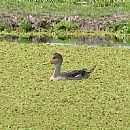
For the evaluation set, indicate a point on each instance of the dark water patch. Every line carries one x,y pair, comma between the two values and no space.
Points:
25,39
89,40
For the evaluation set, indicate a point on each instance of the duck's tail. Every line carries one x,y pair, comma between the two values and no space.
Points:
92,69
88,72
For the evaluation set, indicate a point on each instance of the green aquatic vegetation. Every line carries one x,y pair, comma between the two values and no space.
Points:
50,32
30,101
128,27
25,25
66,26
58,33
64,39
115,38
125,39
121,27
66,36
24,40
62,33
116,26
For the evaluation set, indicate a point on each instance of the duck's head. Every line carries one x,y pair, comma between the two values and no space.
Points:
55,59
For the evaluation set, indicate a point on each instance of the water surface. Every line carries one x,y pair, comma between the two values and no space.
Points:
88,41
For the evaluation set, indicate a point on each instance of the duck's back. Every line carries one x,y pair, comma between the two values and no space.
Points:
75,74
78,74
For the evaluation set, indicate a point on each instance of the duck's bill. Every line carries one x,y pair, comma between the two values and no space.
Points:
49,62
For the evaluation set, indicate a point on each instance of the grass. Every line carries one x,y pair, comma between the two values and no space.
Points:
63,9
29,101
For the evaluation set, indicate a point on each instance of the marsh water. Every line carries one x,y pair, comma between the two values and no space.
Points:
88,41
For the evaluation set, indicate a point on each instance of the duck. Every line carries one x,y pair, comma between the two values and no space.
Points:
57,60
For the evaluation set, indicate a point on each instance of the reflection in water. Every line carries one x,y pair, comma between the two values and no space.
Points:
90,40
30,39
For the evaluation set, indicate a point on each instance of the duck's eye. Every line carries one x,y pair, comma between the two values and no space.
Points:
54,57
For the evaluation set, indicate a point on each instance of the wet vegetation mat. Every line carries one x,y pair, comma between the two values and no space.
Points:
29,101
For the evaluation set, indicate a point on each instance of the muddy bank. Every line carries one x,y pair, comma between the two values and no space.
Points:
39,21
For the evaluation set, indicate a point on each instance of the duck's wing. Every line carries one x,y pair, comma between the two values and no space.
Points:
74,75
78,74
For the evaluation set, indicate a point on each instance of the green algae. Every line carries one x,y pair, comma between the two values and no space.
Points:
30,101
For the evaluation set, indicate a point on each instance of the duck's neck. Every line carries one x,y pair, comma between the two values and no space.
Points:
56,72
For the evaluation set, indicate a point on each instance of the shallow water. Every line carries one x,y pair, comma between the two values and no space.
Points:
88,41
